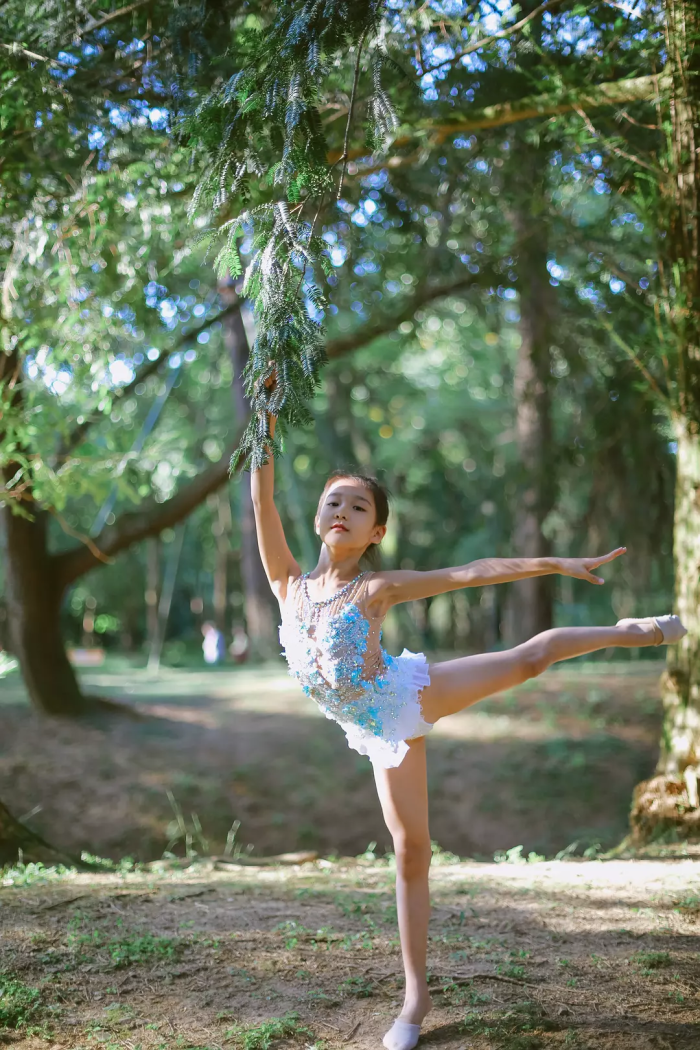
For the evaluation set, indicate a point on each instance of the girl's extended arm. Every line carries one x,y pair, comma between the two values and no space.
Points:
278,561
405,586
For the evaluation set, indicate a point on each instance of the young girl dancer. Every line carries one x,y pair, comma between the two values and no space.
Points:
331,632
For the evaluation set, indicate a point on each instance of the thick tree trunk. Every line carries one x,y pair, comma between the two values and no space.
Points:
259,602
681,681
17,841
529,608
668,804
33,602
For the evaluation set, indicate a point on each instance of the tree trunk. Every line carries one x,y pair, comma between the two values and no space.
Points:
681,681
166,598
259,601
152,589
33,603
530,601
668,804
17,841
221,528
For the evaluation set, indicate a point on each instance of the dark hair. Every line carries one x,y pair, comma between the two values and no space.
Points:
380,494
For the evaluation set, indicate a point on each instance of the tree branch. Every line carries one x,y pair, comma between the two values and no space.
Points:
99,22
17,49
151,518
661,394
612,93
374,329
476,45
78,433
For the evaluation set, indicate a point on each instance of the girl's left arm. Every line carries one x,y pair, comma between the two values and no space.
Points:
392,587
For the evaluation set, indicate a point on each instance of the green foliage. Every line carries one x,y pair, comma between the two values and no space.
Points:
265,121
21,874
124,950
19,1004
513,1028
359,987
266,1034
142,948
514,855
650,961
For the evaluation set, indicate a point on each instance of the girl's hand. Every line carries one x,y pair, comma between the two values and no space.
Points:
271,381
270,385
580,568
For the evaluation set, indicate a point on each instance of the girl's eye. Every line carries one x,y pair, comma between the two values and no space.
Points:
360,508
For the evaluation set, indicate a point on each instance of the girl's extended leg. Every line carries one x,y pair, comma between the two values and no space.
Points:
456,684
403,793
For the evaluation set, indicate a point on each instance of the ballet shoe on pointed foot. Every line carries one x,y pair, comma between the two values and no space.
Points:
667,629
401,1036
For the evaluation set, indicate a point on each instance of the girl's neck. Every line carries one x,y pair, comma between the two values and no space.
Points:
333,572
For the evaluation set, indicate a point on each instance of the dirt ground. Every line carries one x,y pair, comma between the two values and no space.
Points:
576,954
545,766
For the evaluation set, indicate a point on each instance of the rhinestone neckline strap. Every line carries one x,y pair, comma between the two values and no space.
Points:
333,597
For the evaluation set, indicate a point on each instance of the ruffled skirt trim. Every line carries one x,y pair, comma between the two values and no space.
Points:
389,750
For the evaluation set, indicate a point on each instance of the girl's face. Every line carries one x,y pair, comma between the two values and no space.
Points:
347,518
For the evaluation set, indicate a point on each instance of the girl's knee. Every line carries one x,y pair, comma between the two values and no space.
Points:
412,855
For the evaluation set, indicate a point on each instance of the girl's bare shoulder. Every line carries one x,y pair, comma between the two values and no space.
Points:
379,590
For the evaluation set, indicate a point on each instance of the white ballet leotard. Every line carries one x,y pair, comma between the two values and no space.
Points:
333,648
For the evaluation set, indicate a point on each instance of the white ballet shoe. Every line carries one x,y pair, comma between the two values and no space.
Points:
401,1036
669,627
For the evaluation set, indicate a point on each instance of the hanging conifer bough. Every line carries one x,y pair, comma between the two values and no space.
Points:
266,148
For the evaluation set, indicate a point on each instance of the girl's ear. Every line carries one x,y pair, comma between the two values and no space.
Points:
379,533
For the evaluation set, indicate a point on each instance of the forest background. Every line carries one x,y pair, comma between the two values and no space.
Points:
490,209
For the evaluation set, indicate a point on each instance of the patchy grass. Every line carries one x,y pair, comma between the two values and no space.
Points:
19,1004
518,1027
582,955
263,1036
650,961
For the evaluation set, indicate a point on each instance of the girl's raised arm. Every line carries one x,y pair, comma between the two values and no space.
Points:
278,561
406,586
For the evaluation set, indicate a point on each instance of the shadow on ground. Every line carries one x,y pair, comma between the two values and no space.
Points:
548,764
597,955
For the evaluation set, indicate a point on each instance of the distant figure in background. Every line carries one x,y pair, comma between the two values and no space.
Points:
213,646
240,645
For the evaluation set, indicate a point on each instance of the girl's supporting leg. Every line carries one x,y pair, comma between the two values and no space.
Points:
456,684
403,793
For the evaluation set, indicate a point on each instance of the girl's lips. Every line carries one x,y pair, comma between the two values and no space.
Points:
338,528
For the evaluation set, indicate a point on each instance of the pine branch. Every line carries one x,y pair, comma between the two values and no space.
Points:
265,121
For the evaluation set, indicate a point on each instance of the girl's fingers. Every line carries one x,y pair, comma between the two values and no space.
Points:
595,562
613,554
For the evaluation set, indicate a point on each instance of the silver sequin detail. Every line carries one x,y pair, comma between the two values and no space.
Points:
325,644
